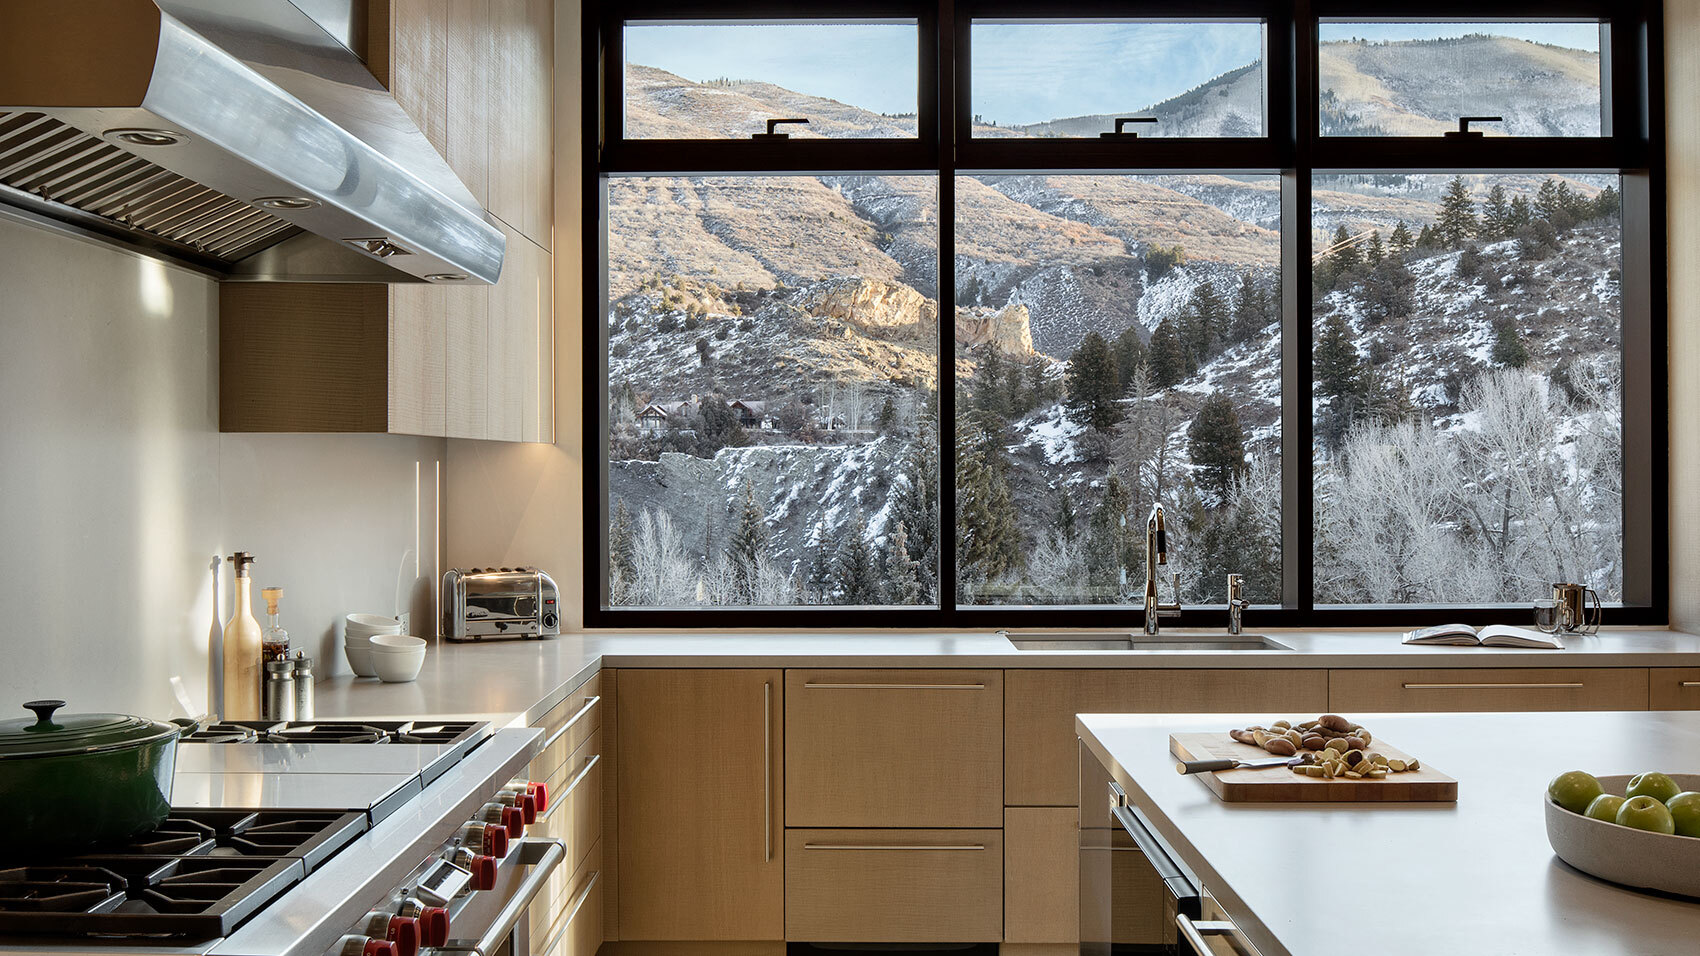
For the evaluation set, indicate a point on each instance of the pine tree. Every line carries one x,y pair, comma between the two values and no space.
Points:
1017,399
854,574
1336,365
988,539
1202,323
1387,291
1093,389
1039,380
886,424
819,576
1216,444
1107,542
1345,256
1130,354
1167,360
1400,242
1067,520
1496,215
902,574
748,545
1548,203
1521,214
621,542
989,397
1248,311
1373,252
1508,348
1606,204
1457,219
917,507
1426,239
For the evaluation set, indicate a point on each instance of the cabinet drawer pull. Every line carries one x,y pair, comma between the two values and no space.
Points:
572,911
1493,686
589,702
814,686
1690,683
1195,931
578,778
894,846
766,772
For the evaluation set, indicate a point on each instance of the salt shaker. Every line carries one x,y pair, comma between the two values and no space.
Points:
277,691
303,686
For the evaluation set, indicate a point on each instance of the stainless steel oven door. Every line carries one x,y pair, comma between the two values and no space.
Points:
1131,892
493,922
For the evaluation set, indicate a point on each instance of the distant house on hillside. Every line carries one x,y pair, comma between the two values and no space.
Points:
658,417
751,413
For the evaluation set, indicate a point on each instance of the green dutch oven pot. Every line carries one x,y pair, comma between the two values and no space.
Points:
76,779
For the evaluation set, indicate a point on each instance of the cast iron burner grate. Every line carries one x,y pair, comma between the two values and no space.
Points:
328,732
197,876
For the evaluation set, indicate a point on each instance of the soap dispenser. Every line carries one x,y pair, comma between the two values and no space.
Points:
242,648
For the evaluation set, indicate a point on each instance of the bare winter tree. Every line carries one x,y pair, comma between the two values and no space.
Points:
665,576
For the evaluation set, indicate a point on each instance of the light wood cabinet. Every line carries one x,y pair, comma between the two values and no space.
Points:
893,886
1462,689
413,358
574,816
700,804
1673,688
1041,875
567,725
1040,766
577,929
894,748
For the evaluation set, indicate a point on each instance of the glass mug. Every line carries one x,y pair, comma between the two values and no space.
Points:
1572,603
1546,616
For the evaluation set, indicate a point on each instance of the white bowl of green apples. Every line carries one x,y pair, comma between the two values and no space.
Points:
1642,831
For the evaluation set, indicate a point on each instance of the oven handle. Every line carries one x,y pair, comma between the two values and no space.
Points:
1187,898
543,856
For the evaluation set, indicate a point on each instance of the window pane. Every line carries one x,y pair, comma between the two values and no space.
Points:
772,391
725,81
1118,344
1074,78
1467,388
1417,79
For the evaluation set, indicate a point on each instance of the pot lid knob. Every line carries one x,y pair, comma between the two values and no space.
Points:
44,713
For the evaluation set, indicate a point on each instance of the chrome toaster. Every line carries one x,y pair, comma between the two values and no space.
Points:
497,604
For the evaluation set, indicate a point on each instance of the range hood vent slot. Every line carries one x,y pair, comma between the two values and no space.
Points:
59,164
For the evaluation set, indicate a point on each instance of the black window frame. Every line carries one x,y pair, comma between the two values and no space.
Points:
1631,146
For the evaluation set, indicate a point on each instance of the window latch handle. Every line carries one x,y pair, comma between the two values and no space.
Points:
1465,132
773,123
1122,121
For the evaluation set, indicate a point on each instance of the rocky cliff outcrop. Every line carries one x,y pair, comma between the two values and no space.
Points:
1008,330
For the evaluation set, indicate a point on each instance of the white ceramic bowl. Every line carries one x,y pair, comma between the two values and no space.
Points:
370,624
397,643
398,665
1634,858
360,659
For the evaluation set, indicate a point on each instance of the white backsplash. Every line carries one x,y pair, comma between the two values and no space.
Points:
117,490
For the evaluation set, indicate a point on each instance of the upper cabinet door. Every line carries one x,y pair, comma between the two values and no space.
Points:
520,113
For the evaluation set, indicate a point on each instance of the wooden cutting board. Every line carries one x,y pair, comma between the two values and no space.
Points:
1282,785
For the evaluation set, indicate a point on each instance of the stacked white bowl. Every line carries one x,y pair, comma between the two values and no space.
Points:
357,633
397,658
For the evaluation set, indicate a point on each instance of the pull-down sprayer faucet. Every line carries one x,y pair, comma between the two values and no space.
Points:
1157,553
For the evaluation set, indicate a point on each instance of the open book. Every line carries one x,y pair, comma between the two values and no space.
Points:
1494,635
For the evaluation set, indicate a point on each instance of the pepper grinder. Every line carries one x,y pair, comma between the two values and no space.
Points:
303,686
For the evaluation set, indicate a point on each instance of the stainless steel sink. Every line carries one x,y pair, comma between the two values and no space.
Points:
1174,641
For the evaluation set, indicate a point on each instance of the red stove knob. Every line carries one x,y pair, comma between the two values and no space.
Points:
483,872
404,933
540,793
496,842
434,926
528,806
514,819
378,947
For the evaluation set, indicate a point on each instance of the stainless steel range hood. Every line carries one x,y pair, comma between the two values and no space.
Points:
241,137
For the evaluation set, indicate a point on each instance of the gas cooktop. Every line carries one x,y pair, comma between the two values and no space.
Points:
333,732
195,877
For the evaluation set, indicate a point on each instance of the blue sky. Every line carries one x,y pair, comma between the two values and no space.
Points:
1022,72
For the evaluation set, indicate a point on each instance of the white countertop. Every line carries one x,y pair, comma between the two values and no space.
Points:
1419,879
521,680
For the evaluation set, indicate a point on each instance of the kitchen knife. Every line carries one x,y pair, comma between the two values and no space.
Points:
1228,763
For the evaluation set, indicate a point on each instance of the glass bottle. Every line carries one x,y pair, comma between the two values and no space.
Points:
274,641
242,649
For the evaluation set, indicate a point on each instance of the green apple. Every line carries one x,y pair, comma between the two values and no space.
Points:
1574,790
1645,813
1685,811
1653,784
1605,807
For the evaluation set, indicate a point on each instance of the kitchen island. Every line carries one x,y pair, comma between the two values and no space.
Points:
1477,876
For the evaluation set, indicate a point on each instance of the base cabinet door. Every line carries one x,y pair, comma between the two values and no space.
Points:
894,886
700,805
577,928
1673,688
1041,875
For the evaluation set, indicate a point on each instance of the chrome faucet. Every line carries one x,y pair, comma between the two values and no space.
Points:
1236,604
1157,553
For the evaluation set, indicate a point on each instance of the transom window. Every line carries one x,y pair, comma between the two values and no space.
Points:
914,314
